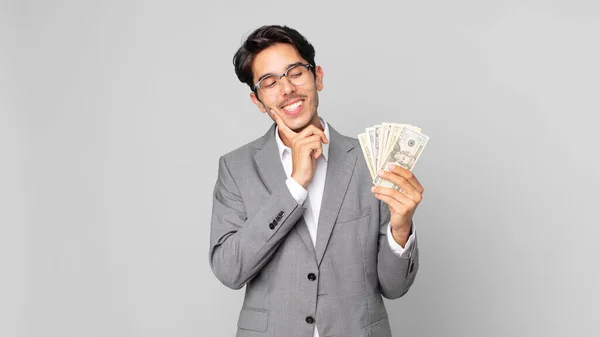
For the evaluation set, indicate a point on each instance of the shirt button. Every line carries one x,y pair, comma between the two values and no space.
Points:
312,277
310,320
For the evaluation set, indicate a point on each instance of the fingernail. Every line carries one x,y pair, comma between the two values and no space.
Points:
391,166
373,189
380,172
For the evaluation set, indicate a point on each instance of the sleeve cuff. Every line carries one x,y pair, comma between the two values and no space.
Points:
298,192
405,251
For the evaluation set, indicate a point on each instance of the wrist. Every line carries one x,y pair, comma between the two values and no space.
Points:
402,226
302,182
400,235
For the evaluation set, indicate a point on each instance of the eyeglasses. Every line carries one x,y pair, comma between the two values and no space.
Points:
297,74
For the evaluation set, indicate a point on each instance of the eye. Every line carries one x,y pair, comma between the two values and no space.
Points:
295,72
268,82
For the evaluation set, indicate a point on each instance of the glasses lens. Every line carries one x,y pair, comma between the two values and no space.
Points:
270,85
298,74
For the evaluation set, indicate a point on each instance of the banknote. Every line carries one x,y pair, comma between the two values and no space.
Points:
365,145
371,135
390,133
405,152
394,132
383,135
375,145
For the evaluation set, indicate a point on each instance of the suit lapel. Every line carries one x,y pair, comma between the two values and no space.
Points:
340,166
269,163
302,230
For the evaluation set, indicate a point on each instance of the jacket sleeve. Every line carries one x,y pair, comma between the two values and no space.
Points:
241,243
396,274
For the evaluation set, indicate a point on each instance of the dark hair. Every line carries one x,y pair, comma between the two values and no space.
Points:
261,39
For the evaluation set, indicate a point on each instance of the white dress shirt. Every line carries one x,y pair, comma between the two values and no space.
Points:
314,194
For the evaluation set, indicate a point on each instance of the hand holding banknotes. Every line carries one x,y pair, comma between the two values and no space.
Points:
306,148
391,151
402,202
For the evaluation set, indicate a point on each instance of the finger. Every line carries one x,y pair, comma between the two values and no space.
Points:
402,183
313,130
285,130
316,148
408,175
401,197
310,145
396,206
317,153
303,141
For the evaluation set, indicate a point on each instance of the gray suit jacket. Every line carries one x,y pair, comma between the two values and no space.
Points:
259,239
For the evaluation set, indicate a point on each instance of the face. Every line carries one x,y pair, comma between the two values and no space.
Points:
296,105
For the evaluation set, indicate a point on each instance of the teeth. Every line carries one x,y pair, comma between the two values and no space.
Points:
293,106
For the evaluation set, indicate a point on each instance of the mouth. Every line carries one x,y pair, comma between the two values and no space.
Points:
293,107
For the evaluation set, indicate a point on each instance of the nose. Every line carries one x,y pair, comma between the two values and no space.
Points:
286,86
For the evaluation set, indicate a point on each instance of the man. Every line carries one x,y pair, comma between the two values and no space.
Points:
296,218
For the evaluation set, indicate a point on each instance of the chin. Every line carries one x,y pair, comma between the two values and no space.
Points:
300,124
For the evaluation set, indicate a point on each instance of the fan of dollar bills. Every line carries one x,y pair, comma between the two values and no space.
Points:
399,144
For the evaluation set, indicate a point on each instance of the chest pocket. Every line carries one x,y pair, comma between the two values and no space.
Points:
353,214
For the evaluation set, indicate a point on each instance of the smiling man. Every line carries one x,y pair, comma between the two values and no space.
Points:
295,216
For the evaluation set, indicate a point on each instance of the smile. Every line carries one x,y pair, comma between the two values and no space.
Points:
293,106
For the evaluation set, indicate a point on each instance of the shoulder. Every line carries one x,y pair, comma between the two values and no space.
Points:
247,151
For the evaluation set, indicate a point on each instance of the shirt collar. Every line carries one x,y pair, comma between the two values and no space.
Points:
282,148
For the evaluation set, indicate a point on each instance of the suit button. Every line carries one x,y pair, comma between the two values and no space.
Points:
310,320
312,276
272,225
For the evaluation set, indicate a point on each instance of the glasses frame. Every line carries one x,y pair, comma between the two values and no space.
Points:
257,84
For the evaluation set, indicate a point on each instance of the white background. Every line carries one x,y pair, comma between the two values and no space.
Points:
114,114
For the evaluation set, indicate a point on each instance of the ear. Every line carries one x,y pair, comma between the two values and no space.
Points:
258,103
319,77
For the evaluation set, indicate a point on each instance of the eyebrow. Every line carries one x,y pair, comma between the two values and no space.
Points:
286,68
